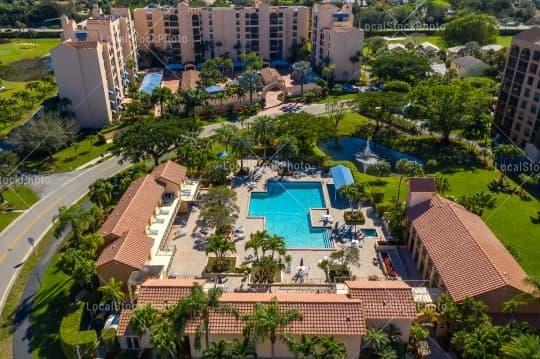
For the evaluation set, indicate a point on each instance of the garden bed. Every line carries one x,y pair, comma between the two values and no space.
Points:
228,266
257,272
354,217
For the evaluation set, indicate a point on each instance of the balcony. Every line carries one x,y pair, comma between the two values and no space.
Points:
189,190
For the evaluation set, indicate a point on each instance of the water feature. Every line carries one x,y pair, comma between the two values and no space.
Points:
356,149
367,157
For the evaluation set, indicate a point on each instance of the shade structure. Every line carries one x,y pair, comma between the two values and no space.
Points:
342,176
150,82
214,89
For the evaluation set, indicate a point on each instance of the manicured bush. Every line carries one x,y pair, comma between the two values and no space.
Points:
71,336
377,197
382,208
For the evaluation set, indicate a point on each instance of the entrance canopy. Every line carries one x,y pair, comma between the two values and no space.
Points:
342,176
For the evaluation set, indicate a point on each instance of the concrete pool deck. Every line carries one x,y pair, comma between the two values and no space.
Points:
190,258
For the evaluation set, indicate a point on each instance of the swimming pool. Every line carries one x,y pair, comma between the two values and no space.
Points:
150,81
285,207
370,232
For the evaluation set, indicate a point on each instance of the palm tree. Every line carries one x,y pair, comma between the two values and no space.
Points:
219,246
164,339
241,145
409,169
161,95
143,318
300,70
191,99
523,346
275,244
112,291
287,146
350,193
418,333
250,81
377,339
269,321
333,349
198,305
225,134
304,347
217,350
101,193
264,129
76,217
256,241
242,349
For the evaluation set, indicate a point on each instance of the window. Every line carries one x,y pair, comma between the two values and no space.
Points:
536,55
517,127
536,96
526,92
533,68
523,104
132,342
534,109
530,80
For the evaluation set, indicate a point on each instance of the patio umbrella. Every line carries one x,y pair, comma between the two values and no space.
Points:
302,262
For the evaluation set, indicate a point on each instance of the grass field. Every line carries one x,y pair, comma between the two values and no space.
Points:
510,220
23,49
6,218
20,197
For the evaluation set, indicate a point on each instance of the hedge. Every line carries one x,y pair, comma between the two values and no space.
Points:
71,335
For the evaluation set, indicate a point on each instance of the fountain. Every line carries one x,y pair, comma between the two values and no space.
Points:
367,157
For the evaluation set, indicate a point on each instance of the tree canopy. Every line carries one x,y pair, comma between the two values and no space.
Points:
481,28
407,66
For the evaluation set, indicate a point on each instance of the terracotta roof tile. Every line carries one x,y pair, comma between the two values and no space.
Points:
160,292
132,249
384,299
467,255
424,184
322,313
123,322
135,208
170,171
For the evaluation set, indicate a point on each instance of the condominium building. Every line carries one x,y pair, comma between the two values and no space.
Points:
195,34
518,108
92,64
335,40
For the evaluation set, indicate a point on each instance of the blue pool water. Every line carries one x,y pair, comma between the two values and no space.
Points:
348,146
286,208
150,82
369,232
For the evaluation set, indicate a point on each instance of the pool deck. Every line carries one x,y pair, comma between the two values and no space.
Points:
190,258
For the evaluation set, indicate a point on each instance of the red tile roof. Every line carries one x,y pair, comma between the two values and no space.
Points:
160,292
322,313
389,299
123,322
467,255
132,249
170,171
424,184
136,207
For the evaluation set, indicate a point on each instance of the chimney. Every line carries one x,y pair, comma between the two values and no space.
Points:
420,190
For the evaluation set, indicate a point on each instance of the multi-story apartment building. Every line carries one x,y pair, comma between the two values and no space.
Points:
92,64
335,40
195,34
518,107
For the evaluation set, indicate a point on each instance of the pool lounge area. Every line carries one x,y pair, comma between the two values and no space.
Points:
286,209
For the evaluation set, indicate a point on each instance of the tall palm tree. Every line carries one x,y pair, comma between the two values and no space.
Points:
143,318
161,95
332,348
350,193
275,244
219,246
269,321
112,291
300,70
225,134
218,350
304,347
407,168
198,305
101,193
250,81
241,145
190,99
256,241
242,349
164,339
523,346
264,129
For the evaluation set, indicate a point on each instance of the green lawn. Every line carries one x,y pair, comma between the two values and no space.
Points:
436,40
20,197
510,220
23,49
11,88
6,218
73,156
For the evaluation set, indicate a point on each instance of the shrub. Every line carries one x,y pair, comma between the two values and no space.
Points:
431,165
355,216
71,335
377,197
382,208
109,339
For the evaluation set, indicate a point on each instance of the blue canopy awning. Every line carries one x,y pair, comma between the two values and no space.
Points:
175,67
214,89
279,62
342,176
